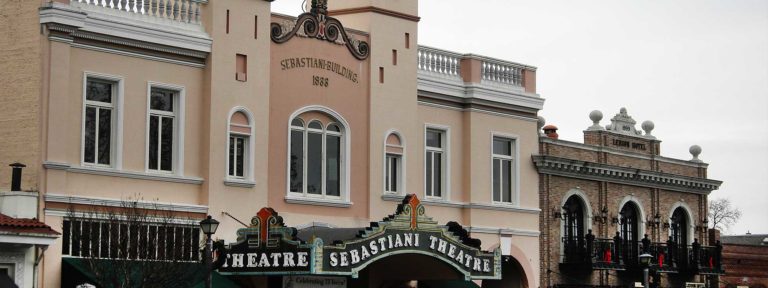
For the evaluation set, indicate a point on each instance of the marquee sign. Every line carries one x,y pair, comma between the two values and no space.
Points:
270,248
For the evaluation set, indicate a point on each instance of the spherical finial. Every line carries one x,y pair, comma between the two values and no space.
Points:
595,116
695,151
648,127
540,124
623,110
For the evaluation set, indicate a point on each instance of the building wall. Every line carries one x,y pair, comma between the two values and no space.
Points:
745,265
21,79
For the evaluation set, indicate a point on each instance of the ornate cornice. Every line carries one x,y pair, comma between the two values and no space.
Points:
636,177
317,24
378,10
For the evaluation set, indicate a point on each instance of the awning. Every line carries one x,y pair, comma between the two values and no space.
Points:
75,271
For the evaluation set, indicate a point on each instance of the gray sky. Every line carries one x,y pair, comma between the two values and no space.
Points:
697,69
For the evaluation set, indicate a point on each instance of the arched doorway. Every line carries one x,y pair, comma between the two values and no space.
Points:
678,234
629,229
406,270
573,230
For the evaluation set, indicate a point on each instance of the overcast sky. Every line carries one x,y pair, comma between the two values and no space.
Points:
697,69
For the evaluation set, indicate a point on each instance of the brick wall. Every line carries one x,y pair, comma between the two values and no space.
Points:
20,82
745,265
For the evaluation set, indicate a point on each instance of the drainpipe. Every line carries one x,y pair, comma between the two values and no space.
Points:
38,257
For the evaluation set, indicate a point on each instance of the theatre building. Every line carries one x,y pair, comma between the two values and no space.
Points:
613,198
332,148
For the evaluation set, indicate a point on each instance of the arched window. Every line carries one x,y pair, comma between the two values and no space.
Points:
316,156
393,164
239,166
573,229
629,229
678,231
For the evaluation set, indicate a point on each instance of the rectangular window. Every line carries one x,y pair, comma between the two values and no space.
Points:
394,57
503,169
332,163
435,163
297,161
237,146
99,126
116,240
407,41
162,129
241,67
392,179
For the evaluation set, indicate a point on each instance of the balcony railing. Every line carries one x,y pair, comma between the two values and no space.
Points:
451,65
502,72
179,11
618,254
441,62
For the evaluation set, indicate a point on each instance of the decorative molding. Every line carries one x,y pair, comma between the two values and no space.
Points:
504,207
469,94
28,238
123,174
317,24
629,176
611,150
375,10
17,259
503,231
315,224
132,54
464,205
85,200
317,202
239,183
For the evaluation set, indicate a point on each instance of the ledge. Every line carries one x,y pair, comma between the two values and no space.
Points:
239,183
73,199
504,207
123,174
478,206
317,202
503,231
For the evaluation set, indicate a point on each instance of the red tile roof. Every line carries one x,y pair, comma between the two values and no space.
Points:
24,225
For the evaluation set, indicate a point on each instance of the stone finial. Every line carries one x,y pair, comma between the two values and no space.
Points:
540,124
695,151
595,116
648,127
623,123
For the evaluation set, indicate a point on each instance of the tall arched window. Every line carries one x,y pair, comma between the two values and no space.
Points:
573,229
316,156
678,235
239,146
629,219
393,164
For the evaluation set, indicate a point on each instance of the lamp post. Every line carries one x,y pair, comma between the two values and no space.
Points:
209,226
645,261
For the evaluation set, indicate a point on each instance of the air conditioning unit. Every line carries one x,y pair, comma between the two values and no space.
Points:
694,285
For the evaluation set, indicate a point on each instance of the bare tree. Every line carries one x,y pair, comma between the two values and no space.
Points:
134,246
721,214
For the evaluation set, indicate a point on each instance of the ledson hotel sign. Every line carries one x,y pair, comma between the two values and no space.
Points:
268,247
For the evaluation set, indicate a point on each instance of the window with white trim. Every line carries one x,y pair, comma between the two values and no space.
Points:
435,162
316,168
238,161
393,164
99,122
163,118
503,170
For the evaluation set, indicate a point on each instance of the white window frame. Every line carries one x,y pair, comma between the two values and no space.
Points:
401,174
248,159
344,159
116,151
177,157
446,165
515,177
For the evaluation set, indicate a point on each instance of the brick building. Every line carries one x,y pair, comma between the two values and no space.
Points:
600,200
745,257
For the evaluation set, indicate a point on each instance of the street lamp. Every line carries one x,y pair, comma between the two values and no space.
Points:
645,261
209,226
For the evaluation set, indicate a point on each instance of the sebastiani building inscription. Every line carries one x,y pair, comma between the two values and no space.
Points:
270,248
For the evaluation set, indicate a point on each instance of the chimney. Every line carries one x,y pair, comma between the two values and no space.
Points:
551,131
16,176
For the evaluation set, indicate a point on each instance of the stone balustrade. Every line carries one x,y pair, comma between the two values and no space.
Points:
179,11
471,68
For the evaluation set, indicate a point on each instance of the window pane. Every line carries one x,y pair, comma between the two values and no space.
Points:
104,240
393,185
429,179
496,180
89,149
334,128
388,173
166,147
240,149
231,156
297,161
98,91
502,146
105,135
332,165
438,174
314,163
434,138
161,99
153,141
316,125
297,122
67,233
506,184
